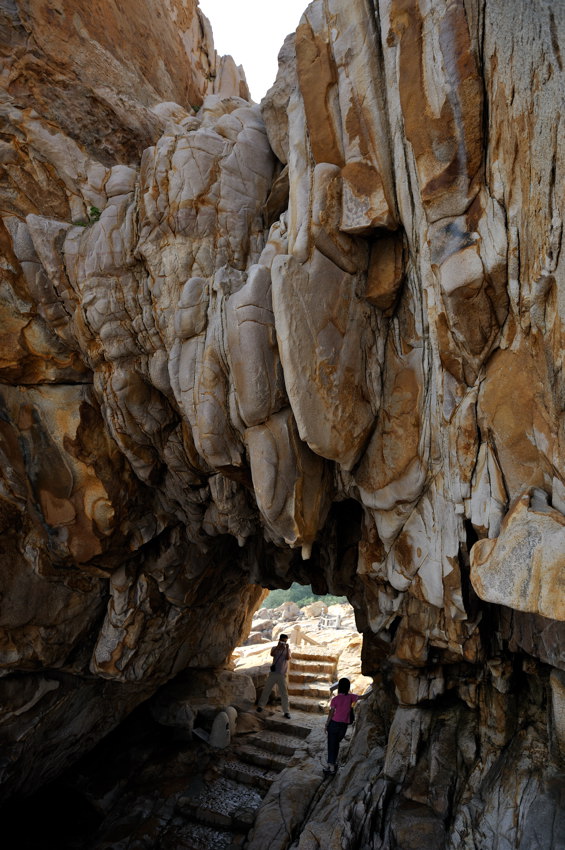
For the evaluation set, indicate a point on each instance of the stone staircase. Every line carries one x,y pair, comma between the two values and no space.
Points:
311,671
220,813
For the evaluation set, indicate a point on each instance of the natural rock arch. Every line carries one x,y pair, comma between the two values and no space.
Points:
224,324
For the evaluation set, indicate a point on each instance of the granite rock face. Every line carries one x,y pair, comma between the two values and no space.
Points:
314,340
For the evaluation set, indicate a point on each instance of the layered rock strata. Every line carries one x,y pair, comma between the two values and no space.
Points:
316,340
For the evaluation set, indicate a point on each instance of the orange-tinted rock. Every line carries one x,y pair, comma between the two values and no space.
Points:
291,483
173,432
385,274
517,409
327,191
317,77
328,390
111,68
392,471
441,101
523,567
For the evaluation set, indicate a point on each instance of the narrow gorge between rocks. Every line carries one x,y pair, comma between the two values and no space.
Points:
317,340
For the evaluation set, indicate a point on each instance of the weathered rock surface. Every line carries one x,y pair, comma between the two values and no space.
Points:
523,567
315,340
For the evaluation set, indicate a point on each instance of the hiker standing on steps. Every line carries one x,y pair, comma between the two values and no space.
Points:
281,656
338,721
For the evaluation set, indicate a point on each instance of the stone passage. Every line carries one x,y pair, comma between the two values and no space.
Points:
311,672
219,814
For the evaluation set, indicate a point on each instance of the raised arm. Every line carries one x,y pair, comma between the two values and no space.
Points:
366,694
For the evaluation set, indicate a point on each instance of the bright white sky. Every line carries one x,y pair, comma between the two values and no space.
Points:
252,31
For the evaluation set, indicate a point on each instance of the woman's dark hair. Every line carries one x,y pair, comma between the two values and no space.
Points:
283,637
343,686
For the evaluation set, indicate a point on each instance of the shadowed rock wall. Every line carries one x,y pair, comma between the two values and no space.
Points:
317,340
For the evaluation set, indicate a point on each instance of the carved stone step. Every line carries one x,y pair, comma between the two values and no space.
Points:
290,727
316,706
275,742
200,836
262,758
309,666
311,676
314,655
258,777
309,689
224,804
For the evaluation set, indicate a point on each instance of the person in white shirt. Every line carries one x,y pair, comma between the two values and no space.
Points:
281,656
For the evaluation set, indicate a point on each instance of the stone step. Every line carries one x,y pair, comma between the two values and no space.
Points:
275,742
258,777
202,837
312,676
314,654
326,668
224,804
262,758
316,706
309,689
290,727
241,821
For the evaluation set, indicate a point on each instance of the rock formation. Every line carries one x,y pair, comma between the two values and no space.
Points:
315,340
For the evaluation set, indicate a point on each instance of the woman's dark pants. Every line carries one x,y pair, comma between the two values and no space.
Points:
336,734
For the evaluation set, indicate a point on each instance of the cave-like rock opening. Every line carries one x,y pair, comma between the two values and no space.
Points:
313,340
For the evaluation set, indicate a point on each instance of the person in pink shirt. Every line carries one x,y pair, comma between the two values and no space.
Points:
338,720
